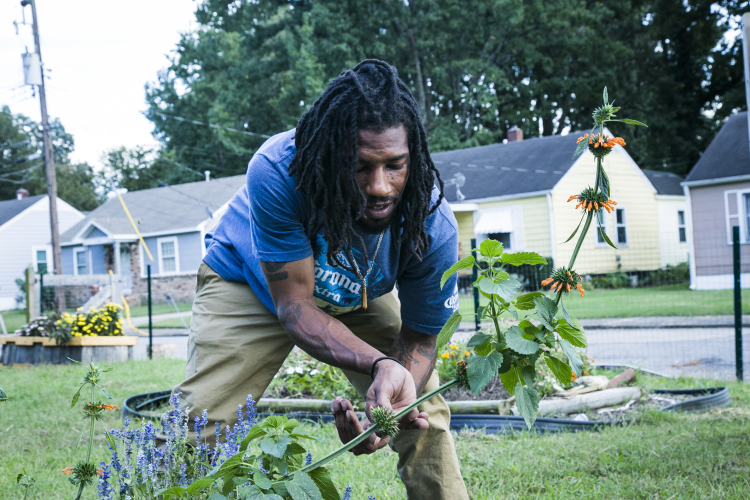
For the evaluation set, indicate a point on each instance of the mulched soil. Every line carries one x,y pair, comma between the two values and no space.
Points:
492,391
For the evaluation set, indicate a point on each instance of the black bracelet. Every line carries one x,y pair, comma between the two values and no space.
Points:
372,370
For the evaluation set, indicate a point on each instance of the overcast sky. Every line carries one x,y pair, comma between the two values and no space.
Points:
98,55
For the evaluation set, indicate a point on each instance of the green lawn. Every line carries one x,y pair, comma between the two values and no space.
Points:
671,300
167,323
658,456
14,319
158,309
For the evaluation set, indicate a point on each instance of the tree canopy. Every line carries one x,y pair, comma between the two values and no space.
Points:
477,67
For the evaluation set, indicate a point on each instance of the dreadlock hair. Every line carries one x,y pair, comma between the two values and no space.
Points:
372,97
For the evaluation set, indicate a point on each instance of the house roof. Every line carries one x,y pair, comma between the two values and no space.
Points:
665,182
162,209
11,208
728,154
531,165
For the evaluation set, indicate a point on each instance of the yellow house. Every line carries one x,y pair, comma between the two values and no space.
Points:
517,193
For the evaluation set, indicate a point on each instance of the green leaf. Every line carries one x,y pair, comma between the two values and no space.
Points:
604,95
580,147
565,313
274,422
576,229
217,496
302,487
560,370
491,248
199,485
275,446
228,466
110,440
603,182
104,392
170,493
527,402
631,122
481,369
604,235
528,374
500,276
574,359
296,449
515,340
261,481
505,289
572,333
255,432
461,264
322,478
280,489
484,349
75,397
291,424
251,492
525,302
510,380
546,310
449,328
3,395
303,436
518,258
478,339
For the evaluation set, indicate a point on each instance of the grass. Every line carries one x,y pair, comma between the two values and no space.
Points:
670,300
14,319
167,323
158,309
659,456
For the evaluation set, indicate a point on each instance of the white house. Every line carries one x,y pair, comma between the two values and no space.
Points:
25,239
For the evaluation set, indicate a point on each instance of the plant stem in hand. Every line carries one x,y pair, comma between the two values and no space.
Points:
365,434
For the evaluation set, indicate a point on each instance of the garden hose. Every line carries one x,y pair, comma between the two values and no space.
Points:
127,316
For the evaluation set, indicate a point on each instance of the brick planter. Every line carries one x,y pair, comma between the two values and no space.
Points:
41,350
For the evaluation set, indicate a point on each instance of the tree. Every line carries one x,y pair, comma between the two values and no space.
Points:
476,68
22,163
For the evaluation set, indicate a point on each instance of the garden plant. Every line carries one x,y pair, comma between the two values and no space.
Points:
103,322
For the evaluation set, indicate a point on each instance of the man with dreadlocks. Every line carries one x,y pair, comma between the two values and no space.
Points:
334,215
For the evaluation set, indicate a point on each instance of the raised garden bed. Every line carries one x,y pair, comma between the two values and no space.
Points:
152,405
42,350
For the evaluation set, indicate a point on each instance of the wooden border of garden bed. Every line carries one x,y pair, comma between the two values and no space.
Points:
26,351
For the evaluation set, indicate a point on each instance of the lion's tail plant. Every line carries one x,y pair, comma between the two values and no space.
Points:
512,351
84,472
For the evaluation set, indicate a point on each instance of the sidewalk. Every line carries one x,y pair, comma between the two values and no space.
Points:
158,332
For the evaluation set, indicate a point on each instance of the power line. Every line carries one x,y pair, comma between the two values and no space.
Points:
196,122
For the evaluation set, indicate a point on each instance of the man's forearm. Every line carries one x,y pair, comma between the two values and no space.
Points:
418,352
325,338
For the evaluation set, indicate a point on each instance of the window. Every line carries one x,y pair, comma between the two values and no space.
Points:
168,256
746,199
81,261
681,226
622,233
503,238
41,261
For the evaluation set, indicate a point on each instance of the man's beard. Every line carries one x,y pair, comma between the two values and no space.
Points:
378,226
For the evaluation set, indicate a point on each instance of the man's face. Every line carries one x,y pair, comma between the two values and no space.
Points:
382,172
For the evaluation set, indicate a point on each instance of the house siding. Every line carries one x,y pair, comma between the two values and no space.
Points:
465,232
17,239
536,234
713,252
68,263
633,192
98,261
673,251
188,248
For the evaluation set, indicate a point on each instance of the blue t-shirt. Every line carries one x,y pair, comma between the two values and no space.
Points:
267,219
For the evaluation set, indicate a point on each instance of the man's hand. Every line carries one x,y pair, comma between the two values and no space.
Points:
394,390
350,427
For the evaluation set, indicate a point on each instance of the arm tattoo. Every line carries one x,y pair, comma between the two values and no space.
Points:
289,313
272,267
277,276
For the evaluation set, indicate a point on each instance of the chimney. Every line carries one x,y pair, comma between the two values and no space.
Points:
515,134
21,194
207,173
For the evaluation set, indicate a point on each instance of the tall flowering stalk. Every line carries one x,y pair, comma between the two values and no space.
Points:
84,472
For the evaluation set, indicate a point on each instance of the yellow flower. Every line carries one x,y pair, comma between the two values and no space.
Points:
446,355
466,353
454,346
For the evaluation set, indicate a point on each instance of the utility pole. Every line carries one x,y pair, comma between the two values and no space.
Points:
49,160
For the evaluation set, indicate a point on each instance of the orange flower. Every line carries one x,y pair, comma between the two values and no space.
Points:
580,289
100,472
573,197
567,287
67,470
582,138
108,407
547,281
573,375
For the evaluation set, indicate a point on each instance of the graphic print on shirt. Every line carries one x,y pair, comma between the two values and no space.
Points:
338,290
